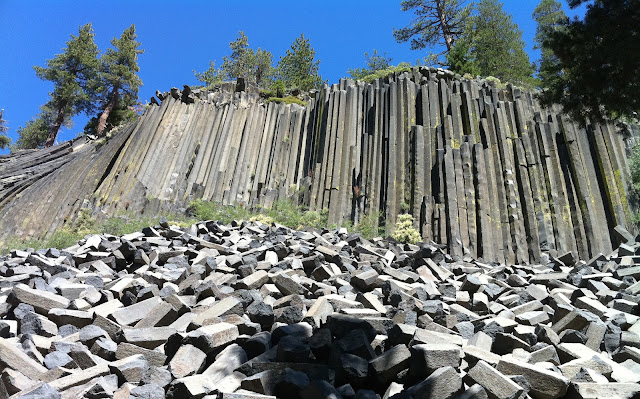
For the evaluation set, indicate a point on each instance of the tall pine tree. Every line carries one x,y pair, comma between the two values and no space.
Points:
118,80
460,59
34,134
299,68
238,64
550,18
244,62
437,22
72,72
497,48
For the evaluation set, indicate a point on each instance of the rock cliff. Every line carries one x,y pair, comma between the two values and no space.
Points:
485,171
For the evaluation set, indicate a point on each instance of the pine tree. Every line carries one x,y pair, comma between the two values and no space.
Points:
211,77
460,58
497,48
375,62
261,66
237,65
298,68
437,22
118,79
549,17
4,139
244,62
598,69
72,72
35,133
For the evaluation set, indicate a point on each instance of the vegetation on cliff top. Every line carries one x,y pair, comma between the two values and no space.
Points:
585,65
4,139
115,89
104,87
297,69
437,22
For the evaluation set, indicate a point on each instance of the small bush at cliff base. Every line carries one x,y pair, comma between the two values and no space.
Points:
369,225
206,210
288,214
404,230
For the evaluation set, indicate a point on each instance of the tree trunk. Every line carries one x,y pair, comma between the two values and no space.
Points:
102,122
446,29
53,131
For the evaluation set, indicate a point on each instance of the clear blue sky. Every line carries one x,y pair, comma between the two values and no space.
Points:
180,36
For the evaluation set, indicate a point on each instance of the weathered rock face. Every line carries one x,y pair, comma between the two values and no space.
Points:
198,319
41,190
486,172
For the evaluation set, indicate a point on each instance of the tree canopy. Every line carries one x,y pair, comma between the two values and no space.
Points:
597,74
72,73
84,83
375,62
298,68
498,47
211,76
461,59
255,66
117,82
437,22
549,17
492,45
34,134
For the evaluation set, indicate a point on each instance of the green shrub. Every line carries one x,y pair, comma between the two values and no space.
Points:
315,219
20,243
208,210
634,166
634,188
369,226
400,68
121,225
495,82
64,238
61,238
277,89
288,214
268,93
287,100
283,212
84,221
404,230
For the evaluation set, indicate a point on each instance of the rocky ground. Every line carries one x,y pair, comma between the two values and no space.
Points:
255,311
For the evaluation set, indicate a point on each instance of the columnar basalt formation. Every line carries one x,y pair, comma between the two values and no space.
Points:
485,171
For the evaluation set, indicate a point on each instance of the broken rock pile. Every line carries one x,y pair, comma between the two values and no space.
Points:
249,310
